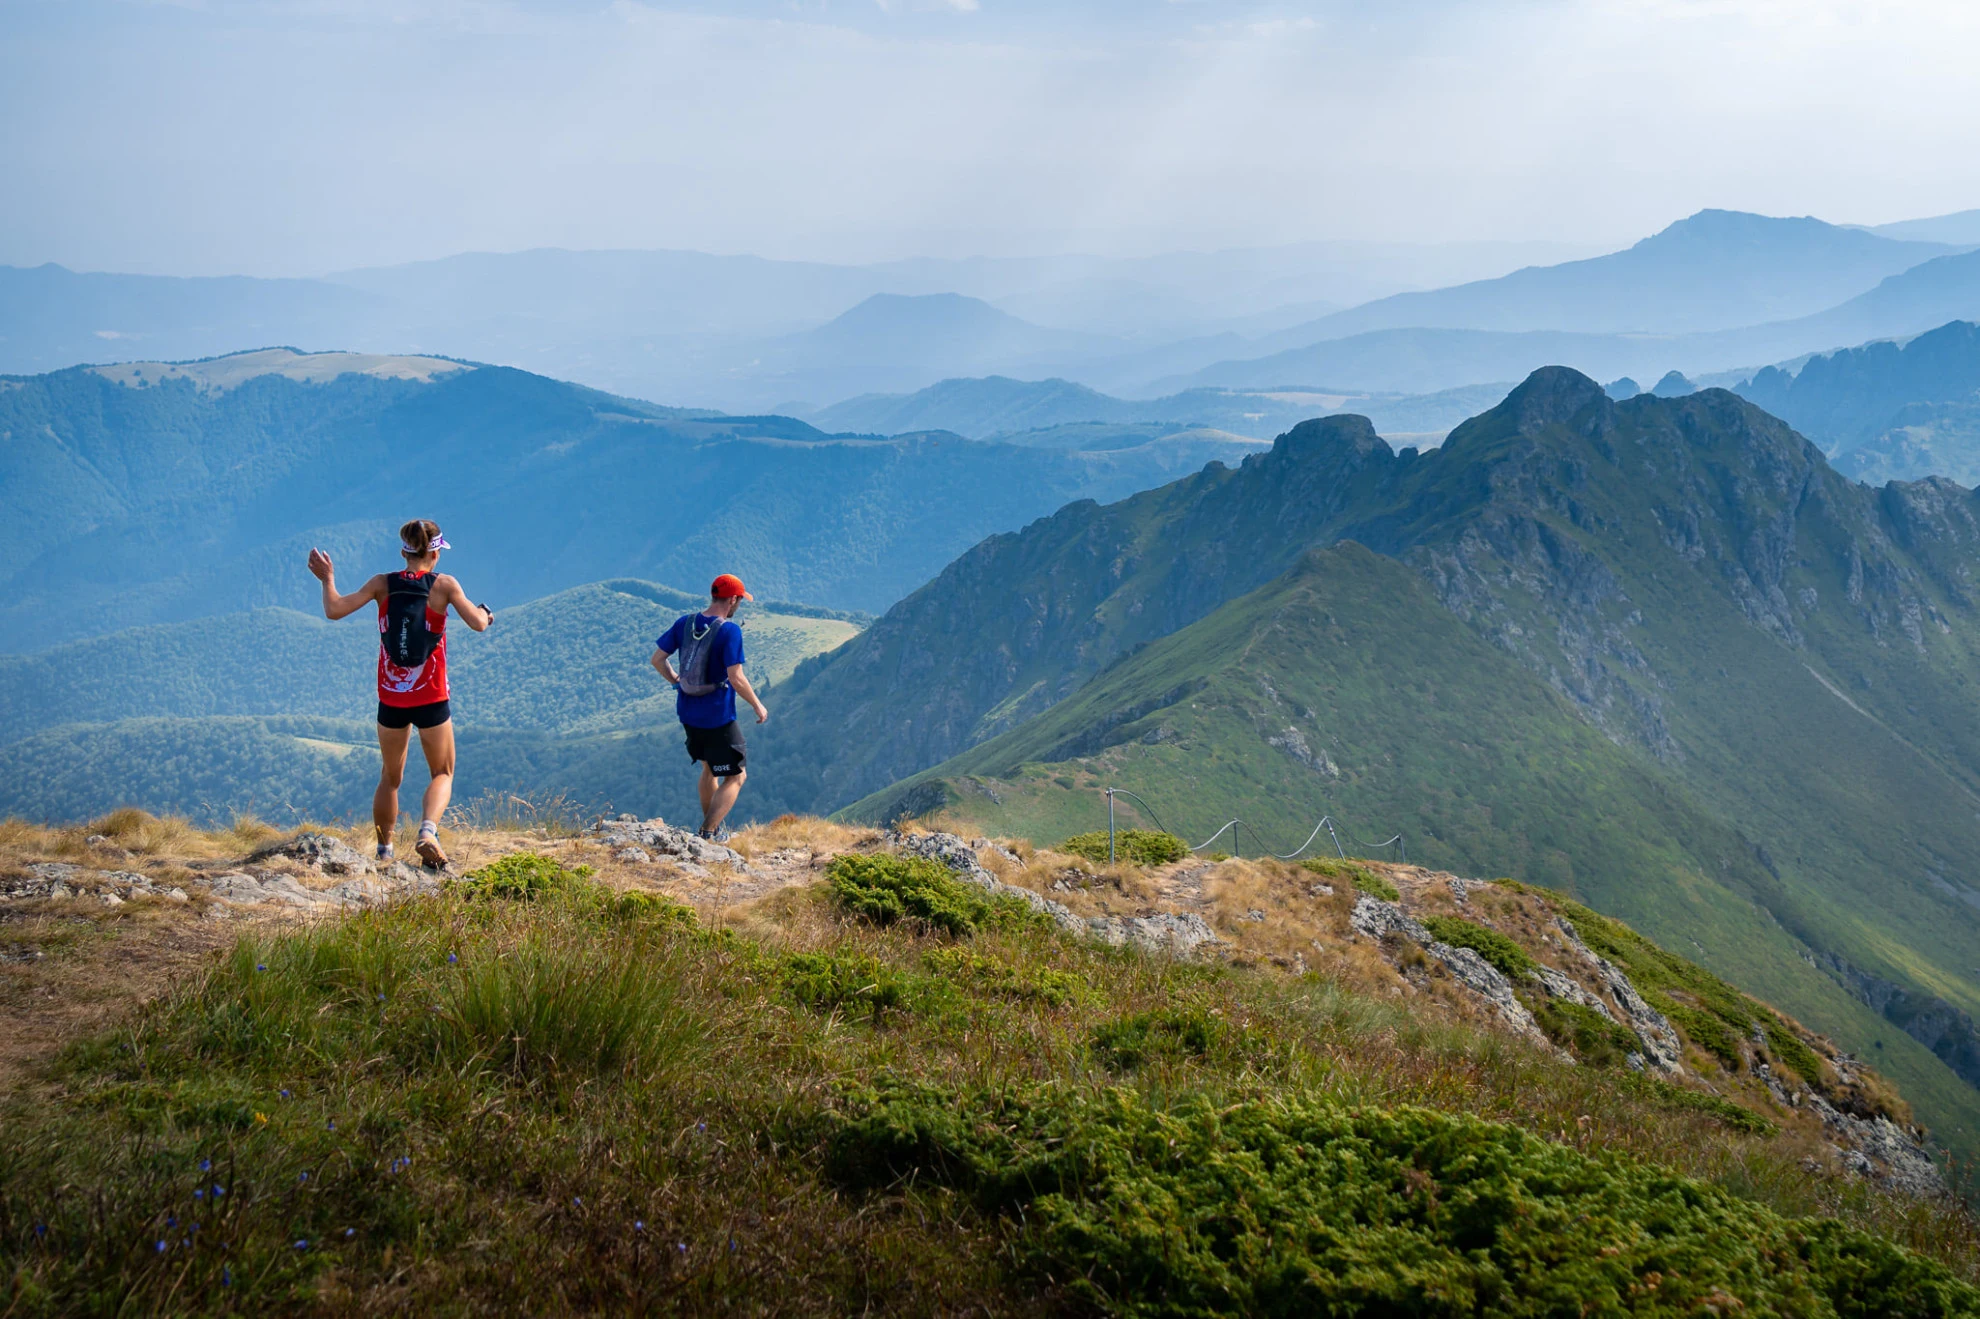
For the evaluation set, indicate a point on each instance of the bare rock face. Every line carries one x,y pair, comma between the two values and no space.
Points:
657,838
1565,987
1179,934
1378,920
320,852
1661,1046
1490,984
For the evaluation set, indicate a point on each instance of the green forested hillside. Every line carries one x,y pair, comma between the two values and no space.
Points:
573,661
140,498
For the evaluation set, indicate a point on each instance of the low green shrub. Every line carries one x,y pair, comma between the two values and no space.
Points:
989,976
523,877
1586,1033
1511,960
1141,847
887,889
1363,879
1129,1042
831,983
1297,1207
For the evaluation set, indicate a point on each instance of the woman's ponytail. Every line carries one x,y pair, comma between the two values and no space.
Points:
417,537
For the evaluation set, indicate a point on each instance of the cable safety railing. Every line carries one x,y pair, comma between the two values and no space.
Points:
1233,826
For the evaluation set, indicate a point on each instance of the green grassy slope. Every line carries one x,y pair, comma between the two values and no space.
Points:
550,1097
1345,688
573,661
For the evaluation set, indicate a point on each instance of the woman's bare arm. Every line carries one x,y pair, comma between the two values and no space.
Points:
475,616
336,606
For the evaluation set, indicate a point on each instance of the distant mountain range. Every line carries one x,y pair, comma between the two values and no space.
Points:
1021,410
1423,360
149,493
1717,270
1717,291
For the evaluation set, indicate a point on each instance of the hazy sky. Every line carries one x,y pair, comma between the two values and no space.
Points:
300,136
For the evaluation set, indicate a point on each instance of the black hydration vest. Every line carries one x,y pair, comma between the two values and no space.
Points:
408,642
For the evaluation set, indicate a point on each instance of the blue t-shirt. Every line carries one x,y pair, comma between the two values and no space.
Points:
719,706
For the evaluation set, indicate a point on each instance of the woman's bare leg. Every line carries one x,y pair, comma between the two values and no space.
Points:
438,744
392,746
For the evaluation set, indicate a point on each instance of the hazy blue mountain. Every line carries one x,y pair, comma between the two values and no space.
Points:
891,342
1673,385
52,317
1622,388
1001,407
148,495
1944,289
1716,270
1961,228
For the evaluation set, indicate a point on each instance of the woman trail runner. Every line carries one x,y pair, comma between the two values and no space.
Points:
412,675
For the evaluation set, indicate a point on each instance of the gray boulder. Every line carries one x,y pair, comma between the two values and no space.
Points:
657,838
319,851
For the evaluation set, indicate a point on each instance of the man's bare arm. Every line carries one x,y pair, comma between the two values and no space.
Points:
748,693
665,664
477,617
336,606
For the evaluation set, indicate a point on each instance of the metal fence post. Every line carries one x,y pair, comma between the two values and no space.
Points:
1110,826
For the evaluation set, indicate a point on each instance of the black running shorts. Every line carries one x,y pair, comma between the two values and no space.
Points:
414,716
721,748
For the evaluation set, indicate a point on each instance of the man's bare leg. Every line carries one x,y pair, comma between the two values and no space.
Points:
392,746
438,744
726,792
706,787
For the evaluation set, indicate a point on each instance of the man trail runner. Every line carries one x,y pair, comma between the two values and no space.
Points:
412,675
710,647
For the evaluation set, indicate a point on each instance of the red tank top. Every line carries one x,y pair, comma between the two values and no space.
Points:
422,684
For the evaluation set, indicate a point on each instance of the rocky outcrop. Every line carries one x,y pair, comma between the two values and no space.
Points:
657,838
276,890
1179,934
59,879
1379,920
1567,988
319,851
1662,1048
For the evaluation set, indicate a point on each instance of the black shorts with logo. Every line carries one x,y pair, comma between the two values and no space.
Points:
414,716
722,748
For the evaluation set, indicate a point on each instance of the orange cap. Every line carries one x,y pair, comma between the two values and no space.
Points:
727,586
